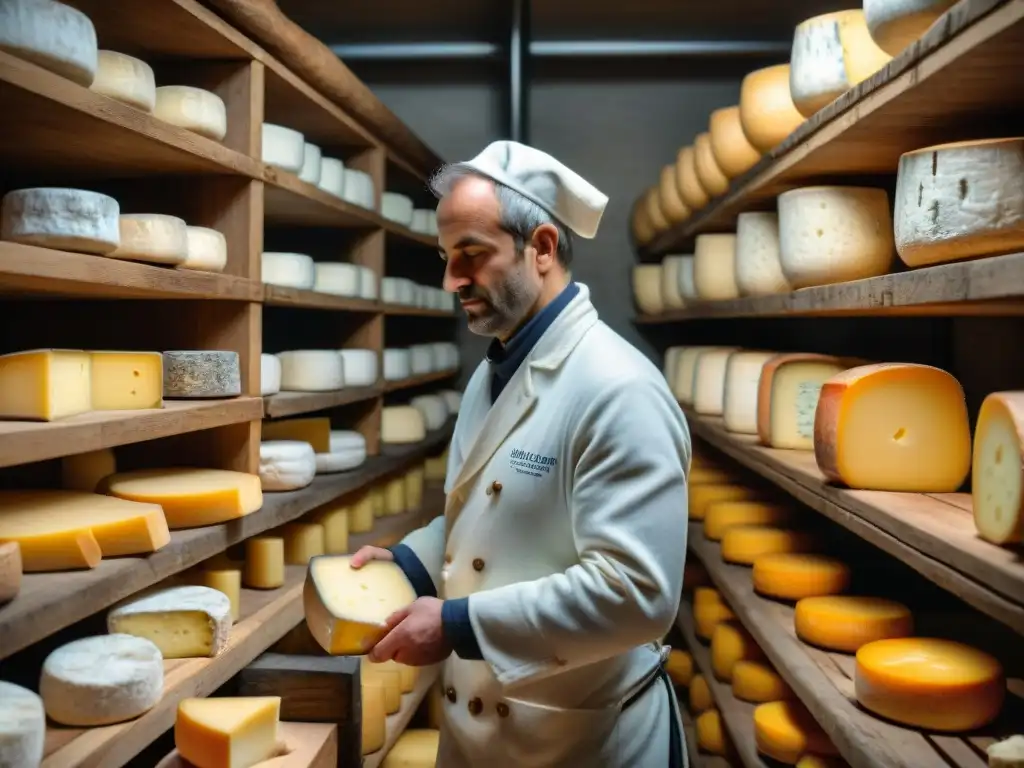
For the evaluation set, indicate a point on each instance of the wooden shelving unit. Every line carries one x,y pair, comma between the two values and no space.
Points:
398,722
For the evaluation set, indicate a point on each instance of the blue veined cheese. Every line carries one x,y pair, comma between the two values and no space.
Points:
896,24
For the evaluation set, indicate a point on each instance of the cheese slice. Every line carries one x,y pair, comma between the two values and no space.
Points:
893,427
126,380
700,695
125,78
22,727
709,173
896,24
997,469
757,682
845,623
714,267
711,735
51,35
689,185
315,430
937,685
647,289
61,530
194,109
183,622
787,398
731,643
264,562
758,260
415,748
719,516
743,544
767,112
794,576
227,732
679,667
45,384
733,153
191,497
739,399
64,219
959,201
672,204
785,730
346,607
84,471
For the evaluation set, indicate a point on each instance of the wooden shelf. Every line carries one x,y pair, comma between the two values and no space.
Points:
983,287
398,722
294,403
292,201
397,230
736,715
280,296
305,745
404,310
23,442
932,533
823,681
419,381
49,602
933,92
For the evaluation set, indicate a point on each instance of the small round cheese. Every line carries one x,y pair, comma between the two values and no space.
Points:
286,465
152,237
743,544
311,370
22,727
647,289
289,270
709,173
452,400
700,695
794,576
270,374
311,157
201,374
401,424
670,295
896,24
757,682
672,204
679,667
739,402
358,189
714,267
432,408
390,288
767,112
348,451
687,283
1008,753
758,261
336,277
421,359
332,176
655,211
845,623
722,515
367,284
207,250
834,234
360,367
194,109
785,730
709,610
711,735
731,643
639,225
689,185
421,221
283,147
733,152
51,35
125,79
397,364
63,219
960,201
396,207
101,680
708,388
997,469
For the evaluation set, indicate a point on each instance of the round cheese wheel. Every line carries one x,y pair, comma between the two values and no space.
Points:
283,147
997,469
709,173
51,35
730,643
647,288
397,364
152,237
311,370
270,374
687,181
401,424
785,730
360,367
739,401
332,176
722,515
22,727
794,576
679,667
126,79
672,204
193,109
367,283
670,294
337,277
415,748
711,735
359,189
896,24
207,250
289,270
709,392
700,695
733,152
311,157
708,614
767,112
687,284
421,359
845,623
714,267
432,408
340,461
758,260
396,207
64,219
286,465
640,225
655,213
743,544
757,682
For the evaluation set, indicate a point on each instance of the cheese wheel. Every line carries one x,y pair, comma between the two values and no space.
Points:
182,621
821,761
397,364
709,174
758,259
708,614
125,79
670,296
270,374
671,359
703,495
709,381
84,471
960,201
415,748
207,250
640,225
264,562
359,189
785,730
672,204
647,288
757,682
719,516
787,398
332,176
373,719
743,544
22,727
360,366
700,695
283,147
714,267
432,408
396,207
64,219
687,281
731,643
679,667
938,685
336,277
834,234
289,270
794,576
367,283
739,399
51,35
421,359
655,213
896,24
767,112
360,515
194,109
152,237
311,370
683,386
689,185
286,465
733,153
401,424
311,157
711,735
845,623
303,542
893,427
997,469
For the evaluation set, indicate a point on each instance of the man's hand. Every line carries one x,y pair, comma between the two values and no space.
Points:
366,554
415,635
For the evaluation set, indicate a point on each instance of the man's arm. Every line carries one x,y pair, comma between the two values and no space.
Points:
629,516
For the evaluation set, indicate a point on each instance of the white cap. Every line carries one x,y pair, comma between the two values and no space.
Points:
567,196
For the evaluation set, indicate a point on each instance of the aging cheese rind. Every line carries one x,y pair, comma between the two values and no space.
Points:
744,544
845,623
655,213
22,727
183,622
711,735
415,748
896,24
52,35
286,465
202,374
64,219
194,109
731,643
311,370
670,294
264,562
126,79
997,469
767,112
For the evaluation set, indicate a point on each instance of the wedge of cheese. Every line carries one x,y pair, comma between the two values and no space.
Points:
230,732
787,398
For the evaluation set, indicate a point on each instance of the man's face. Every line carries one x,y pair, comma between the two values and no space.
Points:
495,285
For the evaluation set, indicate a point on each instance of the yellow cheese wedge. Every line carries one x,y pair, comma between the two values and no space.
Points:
721,515
360,515
374,718
264,562
731,643
127,380
794,576
711,736
315,431
415,748
743,544
893,427
61,530
845,623
997,469
679,667
84,471
703,496
757,682
785,731
346,608
191,497
45,384
700,695
227,732
938,685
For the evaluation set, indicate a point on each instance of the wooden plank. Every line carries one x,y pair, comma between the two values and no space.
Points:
962,70
982,287
403,233
281,296
49,602
303,745
289,200
398,310
737,715
936,539
419,381
398,722
23,442
293,403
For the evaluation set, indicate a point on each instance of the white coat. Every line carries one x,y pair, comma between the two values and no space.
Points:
565,522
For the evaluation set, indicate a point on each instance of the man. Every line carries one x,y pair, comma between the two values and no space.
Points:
558,563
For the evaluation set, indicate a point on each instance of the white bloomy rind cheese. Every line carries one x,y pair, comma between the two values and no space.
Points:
228,732
311,370
348,451
359,189
207,250
709,381
647,288
687,283
193,109
126,79
714,267
152,237
283,147
202,373
397,364
101,680
893,427
64,219
332,176
22,727
732,150
997,469
396,207
360,367
432,408
52,35
767,113
288,270
311,157
286,465
787,398
367,284
402,424
742,377
960,201
183,622
895,24
758,263
337,277
346,607
270,374
670,295
834,234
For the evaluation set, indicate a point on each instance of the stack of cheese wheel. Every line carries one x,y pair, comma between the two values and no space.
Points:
896,24
691,190
647,290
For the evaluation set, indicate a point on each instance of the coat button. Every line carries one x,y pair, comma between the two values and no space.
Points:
475,706
448,558
496,486
478,564
502,709
450,693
